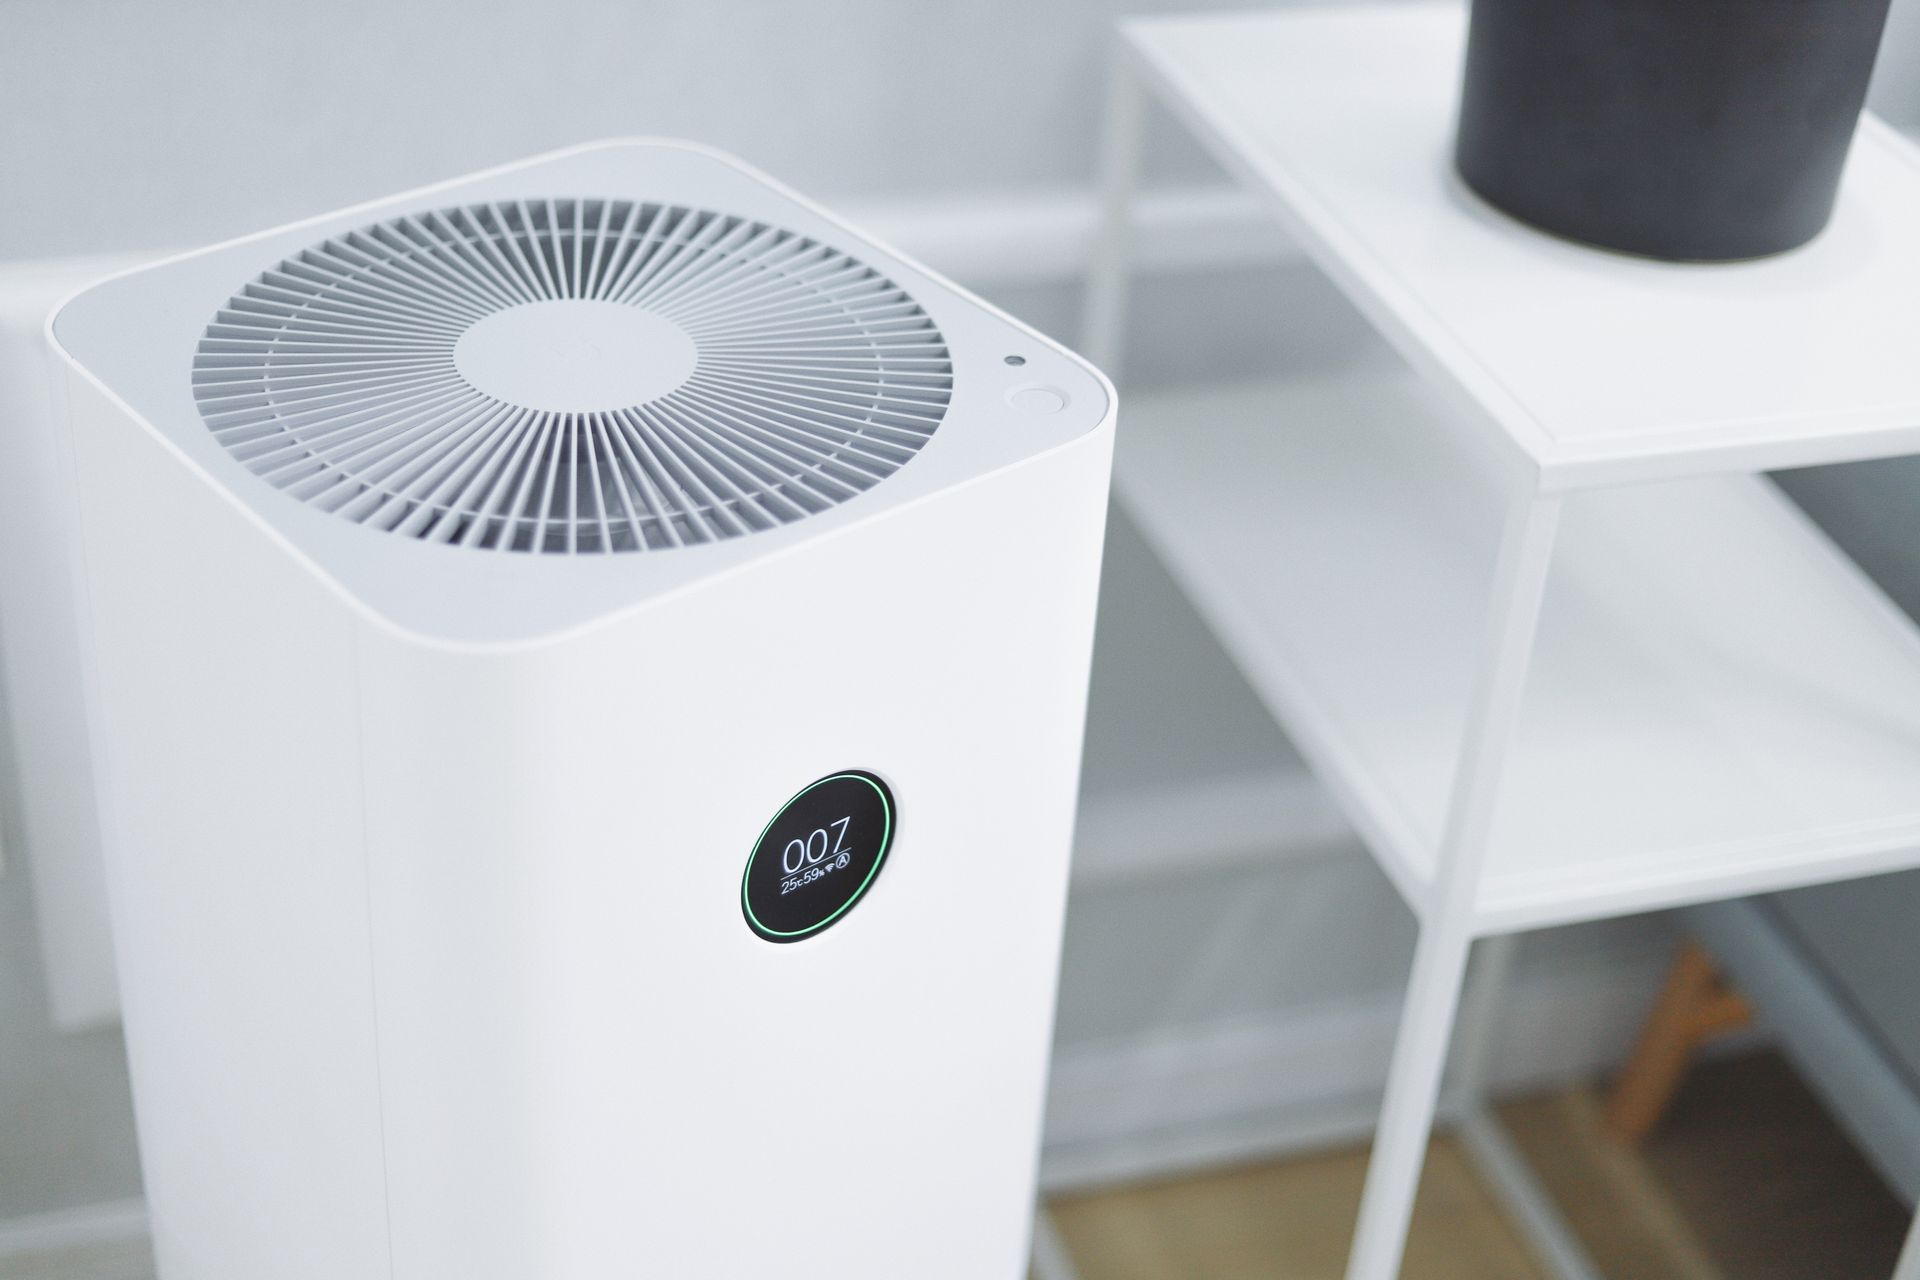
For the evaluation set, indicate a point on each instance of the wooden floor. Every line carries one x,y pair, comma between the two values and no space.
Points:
1748,1179
1286,1221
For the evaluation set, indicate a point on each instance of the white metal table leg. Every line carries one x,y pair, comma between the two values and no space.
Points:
1504,1171
1103,321
1489,971
1447,929
1406,1120
1051,1259
1501,1166
1908,1268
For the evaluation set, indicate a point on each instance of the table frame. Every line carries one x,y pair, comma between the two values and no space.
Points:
1461,968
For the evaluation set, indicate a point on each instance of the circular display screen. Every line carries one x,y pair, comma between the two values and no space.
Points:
818,856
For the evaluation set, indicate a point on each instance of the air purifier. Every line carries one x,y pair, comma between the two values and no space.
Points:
589,664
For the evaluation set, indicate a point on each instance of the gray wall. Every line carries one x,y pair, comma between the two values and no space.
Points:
128,125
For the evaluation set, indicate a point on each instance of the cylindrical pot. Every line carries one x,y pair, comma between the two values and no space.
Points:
1697,130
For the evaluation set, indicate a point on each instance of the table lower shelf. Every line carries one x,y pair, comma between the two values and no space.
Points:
1720,703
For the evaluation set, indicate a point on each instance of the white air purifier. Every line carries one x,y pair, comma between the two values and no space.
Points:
589,664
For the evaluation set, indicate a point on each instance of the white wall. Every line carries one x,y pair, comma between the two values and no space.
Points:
126,125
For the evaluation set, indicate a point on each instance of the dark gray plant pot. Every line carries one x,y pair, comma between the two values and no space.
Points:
1696,130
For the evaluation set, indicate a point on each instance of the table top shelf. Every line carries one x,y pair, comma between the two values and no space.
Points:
1720,703
1592,367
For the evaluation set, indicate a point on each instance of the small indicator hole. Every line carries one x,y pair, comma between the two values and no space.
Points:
1016,361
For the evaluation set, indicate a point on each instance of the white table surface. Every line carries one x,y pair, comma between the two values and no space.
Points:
1719,703
1595,367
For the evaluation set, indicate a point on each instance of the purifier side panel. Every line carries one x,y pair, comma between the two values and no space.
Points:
593,1066
223,711
48,802
466,859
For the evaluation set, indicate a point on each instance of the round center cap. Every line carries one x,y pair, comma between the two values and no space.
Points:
575,356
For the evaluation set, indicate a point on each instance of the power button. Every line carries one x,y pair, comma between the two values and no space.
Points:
1037,399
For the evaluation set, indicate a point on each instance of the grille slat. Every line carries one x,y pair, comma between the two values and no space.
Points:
332,376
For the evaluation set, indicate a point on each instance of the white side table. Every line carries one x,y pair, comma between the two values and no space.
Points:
1521,599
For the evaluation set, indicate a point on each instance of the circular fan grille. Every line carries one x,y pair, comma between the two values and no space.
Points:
572,376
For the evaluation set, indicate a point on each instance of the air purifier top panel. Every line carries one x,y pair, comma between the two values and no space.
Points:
514,404
573,376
